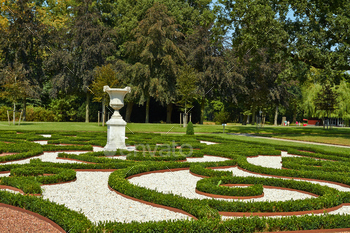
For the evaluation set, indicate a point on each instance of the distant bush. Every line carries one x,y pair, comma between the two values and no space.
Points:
189,129
39,114
3,113
32,114
221,117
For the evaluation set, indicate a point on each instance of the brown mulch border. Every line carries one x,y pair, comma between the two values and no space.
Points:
52,223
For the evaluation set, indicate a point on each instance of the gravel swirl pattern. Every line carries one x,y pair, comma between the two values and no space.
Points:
90,195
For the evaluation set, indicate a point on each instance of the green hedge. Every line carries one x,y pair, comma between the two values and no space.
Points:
28,177
28,180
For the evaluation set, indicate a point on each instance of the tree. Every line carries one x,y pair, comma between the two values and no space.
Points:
155,56
326,100
343,109
204,53
315,37
22,43
88,45
15,85
104,75
186,84
260,77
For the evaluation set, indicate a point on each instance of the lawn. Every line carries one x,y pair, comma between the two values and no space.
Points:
157,127
313,134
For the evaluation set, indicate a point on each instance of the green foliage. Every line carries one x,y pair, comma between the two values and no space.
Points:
221,117
326,99
186,84
64,109
29,177
39,114
190,129
103,76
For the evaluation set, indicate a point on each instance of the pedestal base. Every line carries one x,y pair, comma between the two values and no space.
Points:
115,133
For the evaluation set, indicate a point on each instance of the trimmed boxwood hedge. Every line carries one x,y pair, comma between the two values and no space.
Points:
28,180
28,177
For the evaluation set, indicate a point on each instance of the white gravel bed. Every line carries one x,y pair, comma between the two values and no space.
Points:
90,195
122,157
97,148
4,174
266,161
46,135
238,172
41,142
208,143
168,182
206,158
270,161
10,191
48,157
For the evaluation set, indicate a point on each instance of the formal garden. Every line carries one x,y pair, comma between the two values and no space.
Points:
234,116
173,182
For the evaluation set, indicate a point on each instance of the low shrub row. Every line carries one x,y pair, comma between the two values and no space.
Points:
28,179
71,221
66,148
212,186
22,149
171,157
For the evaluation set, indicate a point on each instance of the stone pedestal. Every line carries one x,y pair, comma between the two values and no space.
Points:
116,125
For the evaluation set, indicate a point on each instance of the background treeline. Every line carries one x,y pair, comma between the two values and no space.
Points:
220,60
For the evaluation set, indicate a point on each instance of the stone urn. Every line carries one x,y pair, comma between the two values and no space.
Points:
116,125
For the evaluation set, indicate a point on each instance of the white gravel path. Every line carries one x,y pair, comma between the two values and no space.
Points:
47,157
270,161
238,172
4,174
183,183
206,158
41,142
266,161
208,143
46,135
90,194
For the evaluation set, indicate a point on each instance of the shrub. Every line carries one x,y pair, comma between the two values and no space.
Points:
39,114
189,129
221,117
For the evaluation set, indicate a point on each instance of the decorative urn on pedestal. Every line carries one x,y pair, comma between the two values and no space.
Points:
116,125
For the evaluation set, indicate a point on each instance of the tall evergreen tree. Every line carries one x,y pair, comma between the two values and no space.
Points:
155,56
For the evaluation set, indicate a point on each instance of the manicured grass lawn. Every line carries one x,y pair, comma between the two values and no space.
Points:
313,134
337,139
276,143
156,127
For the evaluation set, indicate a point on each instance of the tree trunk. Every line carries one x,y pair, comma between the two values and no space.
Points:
169,111
185,115
276,116
14,113
147,109
24,109
184,120
128,111
253,115
103,111
87,107
202,111
295,116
